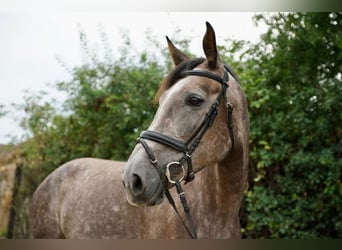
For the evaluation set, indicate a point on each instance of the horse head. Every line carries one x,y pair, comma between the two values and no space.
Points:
191,129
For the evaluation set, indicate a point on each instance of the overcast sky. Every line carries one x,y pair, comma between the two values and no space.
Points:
31,41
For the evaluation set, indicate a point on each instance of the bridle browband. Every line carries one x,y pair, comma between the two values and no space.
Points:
188,147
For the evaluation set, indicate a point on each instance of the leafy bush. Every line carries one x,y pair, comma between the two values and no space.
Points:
293,83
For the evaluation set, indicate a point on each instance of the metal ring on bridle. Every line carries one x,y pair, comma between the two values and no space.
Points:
168,174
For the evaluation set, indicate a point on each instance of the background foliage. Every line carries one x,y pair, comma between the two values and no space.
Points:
292,79
294,91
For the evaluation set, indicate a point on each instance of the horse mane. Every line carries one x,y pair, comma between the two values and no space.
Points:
232,72
176,74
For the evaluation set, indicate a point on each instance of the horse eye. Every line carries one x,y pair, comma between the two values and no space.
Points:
194,101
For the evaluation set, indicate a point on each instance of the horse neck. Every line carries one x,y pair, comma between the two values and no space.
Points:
222,185
217,199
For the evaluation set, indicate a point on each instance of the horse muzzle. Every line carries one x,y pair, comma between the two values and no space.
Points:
142,185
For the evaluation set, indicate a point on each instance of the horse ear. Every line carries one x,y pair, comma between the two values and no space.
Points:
209,47
177,55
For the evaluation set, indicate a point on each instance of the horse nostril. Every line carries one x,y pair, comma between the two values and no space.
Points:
137,185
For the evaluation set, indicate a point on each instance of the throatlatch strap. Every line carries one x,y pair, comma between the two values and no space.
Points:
230,124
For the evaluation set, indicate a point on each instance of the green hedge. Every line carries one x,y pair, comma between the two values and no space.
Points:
293,84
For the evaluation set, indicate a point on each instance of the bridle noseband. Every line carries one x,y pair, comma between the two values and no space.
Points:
170,172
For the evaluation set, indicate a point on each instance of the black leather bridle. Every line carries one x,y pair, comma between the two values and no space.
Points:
170,172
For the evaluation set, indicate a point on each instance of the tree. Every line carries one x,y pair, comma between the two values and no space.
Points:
292,79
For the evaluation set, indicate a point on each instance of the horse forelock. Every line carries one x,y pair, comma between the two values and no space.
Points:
176,74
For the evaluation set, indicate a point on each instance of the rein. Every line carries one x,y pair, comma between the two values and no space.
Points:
169,173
